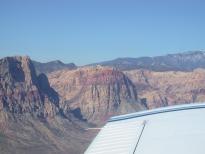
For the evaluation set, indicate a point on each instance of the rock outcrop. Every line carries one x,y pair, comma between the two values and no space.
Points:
169,88
22,91
95,93
30,115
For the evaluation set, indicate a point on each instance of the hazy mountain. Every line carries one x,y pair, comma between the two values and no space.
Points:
52,66
186,61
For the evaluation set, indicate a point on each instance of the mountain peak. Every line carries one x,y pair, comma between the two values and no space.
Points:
20,89
52,66
56,62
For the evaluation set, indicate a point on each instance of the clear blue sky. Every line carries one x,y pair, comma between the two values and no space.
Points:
87,31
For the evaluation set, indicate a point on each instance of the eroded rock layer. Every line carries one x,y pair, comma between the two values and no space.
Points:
169,88
95,93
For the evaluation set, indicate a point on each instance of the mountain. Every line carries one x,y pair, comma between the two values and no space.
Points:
50,113
36,117
95,93
186,61
23,91
169,88
31,120
52,66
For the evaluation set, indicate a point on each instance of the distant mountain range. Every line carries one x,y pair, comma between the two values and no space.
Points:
52,66
186,61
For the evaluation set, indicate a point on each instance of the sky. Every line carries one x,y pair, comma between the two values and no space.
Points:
88,31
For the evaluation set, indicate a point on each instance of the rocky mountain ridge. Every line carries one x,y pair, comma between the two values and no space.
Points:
186,61
22,91
96,92
89,93
31,120
170,87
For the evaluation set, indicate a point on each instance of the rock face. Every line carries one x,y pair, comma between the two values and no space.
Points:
30,115
95,93
22,91
169,88
52,66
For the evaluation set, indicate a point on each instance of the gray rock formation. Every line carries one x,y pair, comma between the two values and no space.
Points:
21,91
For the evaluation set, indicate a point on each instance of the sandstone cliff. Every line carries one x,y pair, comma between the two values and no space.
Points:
170,87
95,93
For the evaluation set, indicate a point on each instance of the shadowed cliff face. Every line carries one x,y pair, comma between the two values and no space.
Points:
97,92
20,91
30,119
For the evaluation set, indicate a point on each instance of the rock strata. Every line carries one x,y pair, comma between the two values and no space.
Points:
95,93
